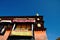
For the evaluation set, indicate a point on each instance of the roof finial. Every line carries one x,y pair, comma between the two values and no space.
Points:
37,14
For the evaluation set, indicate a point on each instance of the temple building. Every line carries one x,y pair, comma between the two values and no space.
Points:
22,28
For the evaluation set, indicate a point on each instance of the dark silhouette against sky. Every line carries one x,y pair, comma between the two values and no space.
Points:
50,9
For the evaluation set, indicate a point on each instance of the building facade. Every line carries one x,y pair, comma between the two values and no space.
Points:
22,27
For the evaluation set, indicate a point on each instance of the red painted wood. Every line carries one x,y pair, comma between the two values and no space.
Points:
40,35
5,36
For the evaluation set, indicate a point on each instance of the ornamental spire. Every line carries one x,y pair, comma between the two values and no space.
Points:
37,14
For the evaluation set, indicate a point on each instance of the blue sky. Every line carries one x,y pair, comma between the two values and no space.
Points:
50,9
